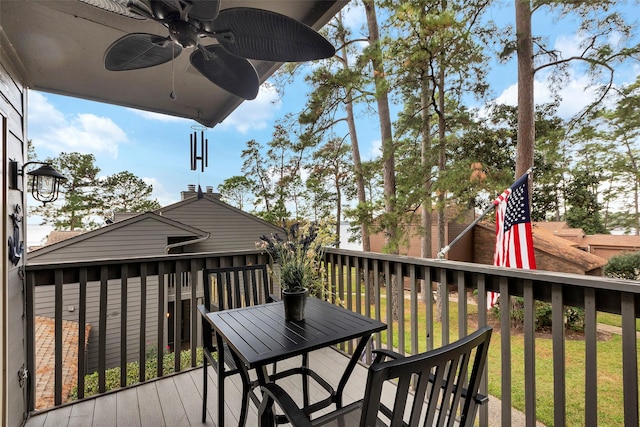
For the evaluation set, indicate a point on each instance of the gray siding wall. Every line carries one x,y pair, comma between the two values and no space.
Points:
45,300
230,229
147,237
12,350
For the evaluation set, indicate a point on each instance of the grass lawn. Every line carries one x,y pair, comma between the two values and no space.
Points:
610,397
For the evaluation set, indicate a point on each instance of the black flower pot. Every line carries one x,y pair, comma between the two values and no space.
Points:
294,303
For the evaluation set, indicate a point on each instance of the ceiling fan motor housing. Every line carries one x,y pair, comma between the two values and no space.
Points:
183,33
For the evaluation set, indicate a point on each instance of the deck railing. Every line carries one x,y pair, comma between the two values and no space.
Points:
361,281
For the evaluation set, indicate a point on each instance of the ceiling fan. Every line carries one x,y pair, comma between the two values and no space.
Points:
241,33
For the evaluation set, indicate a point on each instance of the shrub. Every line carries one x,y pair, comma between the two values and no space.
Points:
574,317
112,376
624,266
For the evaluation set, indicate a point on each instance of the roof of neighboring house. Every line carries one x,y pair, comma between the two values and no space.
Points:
199,223
561,229
149,220
59,235
558,248
45,359
622,242
546,241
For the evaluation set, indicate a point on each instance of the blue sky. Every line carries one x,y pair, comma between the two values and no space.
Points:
156,147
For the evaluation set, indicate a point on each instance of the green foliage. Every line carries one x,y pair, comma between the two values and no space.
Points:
112,376
236,190
573,316
584,211
84,197
624,266
298,255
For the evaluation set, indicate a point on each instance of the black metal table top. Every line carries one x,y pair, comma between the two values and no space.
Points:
259,334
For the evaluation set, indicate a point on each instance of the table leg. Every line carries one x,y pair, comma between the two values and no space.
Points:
305,379
220,344
349,369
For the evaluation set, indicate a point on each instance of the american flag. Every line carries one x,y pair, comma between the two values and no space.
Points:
514,243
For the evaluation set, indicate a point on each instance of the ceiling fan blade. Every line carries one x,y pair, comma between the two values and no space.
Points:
113,6
202,10
233,74
139,50
269,36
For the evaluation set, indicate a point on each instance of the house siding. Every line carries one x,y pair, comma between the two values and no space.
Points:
12,342
45,302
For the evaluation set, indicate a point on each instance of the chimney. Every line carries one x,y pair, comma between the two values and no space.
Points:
191,192
209,189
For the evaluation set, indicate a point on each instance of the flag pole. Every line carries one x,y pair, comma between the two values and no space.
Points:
446,249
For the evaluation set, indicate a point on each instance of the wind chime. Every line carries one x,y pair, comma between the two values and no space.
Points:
203,157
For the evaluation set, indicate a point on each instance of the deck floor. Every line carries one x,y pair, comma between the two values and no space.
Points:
177,400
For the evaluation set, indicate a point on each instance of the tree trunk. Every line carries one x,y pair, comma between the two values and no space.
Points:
425,250
388,155
526,113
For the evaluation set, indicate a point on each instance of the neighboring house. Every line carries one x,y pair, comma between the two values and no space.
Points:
602,245
607,245
552,253
194,224
456,223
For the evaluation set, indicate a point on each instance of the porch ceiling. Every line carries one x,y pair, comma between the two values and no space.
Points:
58,46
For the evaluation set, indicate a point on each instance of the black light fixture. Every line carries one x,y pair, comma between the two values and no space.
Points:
45,184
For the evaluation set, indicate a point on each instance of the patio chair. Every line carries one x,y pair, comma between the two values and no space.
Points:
445,392
226,288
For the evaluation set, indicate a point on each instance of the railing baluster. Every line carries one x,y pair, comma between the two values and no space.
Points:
123,323
58,338
505,342
389,289
162,292
194,310
377,297
177,316
443,300
413,304
529,354
463,313
102,330
428,280
629,358
590,358
142,350
559,371
482,321
399,282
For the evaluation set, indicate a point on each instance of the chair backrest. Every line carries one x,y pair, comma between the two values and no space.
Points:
234,287
446,385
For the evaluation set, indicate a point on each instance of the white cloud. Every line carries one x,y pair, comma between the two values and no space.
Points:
575,95
163,196
256,114
82,133
375,151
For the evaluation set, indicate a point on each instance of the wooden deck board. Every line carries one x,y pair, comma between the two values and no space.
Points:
176,400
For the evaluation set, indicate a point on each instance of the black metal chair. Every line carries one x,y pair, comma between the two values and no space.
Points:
446,382
226,288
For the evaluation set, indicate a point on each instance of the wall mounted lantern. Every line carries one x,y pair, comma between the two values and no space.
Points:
45,184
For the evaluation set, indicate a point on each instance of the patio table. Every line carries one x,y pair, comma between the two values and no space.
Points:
259,335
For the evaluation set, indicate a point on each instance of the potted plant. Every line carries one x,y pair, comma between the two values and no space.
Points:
297,255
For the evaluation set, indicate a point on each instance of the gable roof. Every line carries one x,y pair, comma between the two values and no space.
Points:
214,199
167,224
559,247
